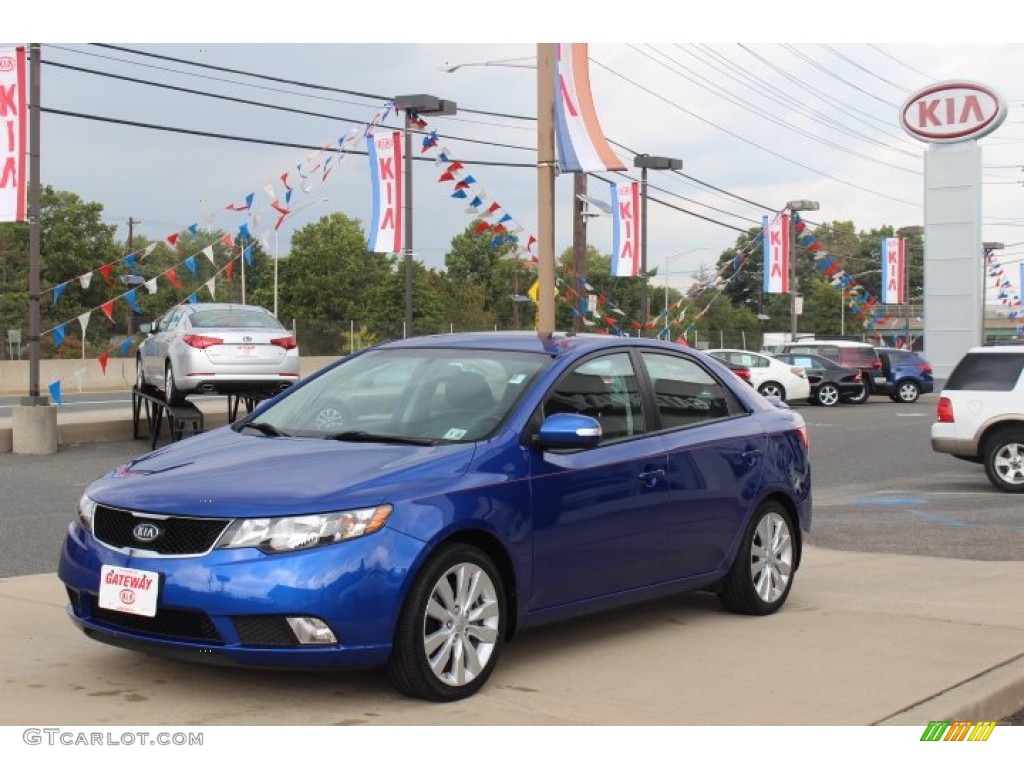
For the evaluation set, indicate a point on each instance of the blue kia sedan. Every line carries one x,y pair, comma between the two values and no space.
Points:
417,504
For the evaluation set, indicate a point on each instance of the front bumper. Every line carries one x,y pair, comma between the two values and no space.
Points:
230,606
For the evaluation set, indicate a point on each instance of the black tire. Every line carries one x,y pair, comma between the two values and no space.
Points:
907,392
140,377
827,394
466,648
858,399
172,395
1004,459
761,576
772,389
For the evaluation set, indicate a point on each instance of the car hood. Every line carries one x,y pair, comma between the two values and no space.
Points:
227,474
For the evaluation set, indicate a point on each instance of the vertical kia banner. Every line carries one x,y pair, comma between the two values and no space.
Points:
582,146
893,270
385,153
626,229
775,235
13,133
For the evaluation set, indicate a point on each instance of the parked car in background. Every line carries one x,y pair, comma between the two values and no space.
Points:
740,370
216,348
849,354
769,376
980,414
416,504
830,382
907,374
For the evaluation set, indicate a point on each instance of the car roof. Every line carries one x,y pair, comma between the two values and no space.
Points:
199,306
529,341
824,342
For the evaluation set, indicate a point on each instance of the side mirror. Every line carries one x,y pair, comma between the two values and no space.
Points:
146,327
569,430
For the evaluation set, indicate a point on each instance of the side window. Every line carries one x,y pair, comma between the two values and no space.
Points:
686,393
170,320
604,388
994,372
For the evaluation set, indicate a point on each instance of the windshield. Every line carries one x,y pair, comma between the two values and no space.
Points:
402,395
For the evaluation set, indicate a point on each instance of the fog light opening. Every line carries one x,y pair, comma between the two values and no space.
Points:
310,631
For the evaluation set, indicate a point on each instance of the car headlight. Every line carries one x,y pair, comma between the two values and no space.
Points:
85,511
287,534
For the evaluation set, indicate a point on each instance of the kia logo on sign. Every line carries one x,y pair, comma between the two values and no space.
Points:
6,64
951,111
385,144
146,532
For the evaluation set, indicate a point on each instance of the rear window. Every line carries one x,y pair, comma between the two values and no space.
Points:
997,373
233,318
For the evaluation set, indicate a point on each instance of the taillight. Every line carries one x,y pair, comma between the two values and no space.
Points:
804,438
743,373
925,368
287,342
857,376
877,365
944,411
201,342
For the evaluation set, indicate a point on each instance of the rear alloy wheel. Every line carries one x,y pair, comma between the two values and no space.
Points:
858,399
908,392
772,389
1004,460
827,395
760,578
451,630
172,394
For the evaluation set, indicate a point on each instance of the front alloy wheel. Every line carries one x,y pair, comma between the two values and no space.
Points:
762,574
450,633
1004,460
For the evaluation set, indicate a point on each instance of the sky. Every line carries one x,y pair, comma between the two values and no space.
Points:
756,120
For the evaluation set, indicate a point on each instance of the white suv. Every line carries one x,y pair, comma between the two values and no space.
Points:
980,415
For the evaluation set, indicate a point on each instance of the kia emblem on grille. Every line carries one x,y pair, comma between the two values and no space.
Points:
247,338
146,532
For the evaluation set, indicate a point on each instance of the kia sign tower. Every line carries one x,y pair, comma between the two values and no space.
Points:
951,116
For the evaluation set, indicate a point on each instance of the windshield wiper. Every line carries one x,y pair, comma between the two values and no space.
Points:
266,428
360,436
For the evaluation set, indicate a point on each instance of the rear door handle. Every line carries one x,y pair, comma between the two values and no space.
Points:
651,477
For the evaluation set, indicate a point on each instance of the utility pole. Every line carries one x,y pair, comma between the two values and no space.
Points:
546,190
131,233
579,247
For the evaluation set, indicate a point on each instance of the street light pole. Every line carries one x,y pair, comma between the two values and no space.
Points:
658,163
794,206
413,105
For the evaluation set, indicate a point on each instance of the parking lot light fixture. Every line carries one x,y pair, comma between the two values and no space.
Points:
413,105
645,163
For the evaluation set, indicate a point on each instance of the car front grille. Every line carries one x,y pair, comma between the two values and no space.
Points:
177,535
168,622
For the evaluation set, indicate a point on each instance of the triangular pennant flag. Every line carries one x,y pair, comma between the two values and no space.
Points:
171,275
149,249
129,261
58,291
55,392
247,253
106,271
108,309
243,230
58,335
173,240
229,270
83,320
151,286
193,229
133,302
103,359
125,346
190,262
208,253
192,298
228,242
85,280
210,284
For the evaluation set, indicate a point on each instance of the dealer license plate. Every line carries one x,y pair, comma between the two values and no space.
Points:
129,590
